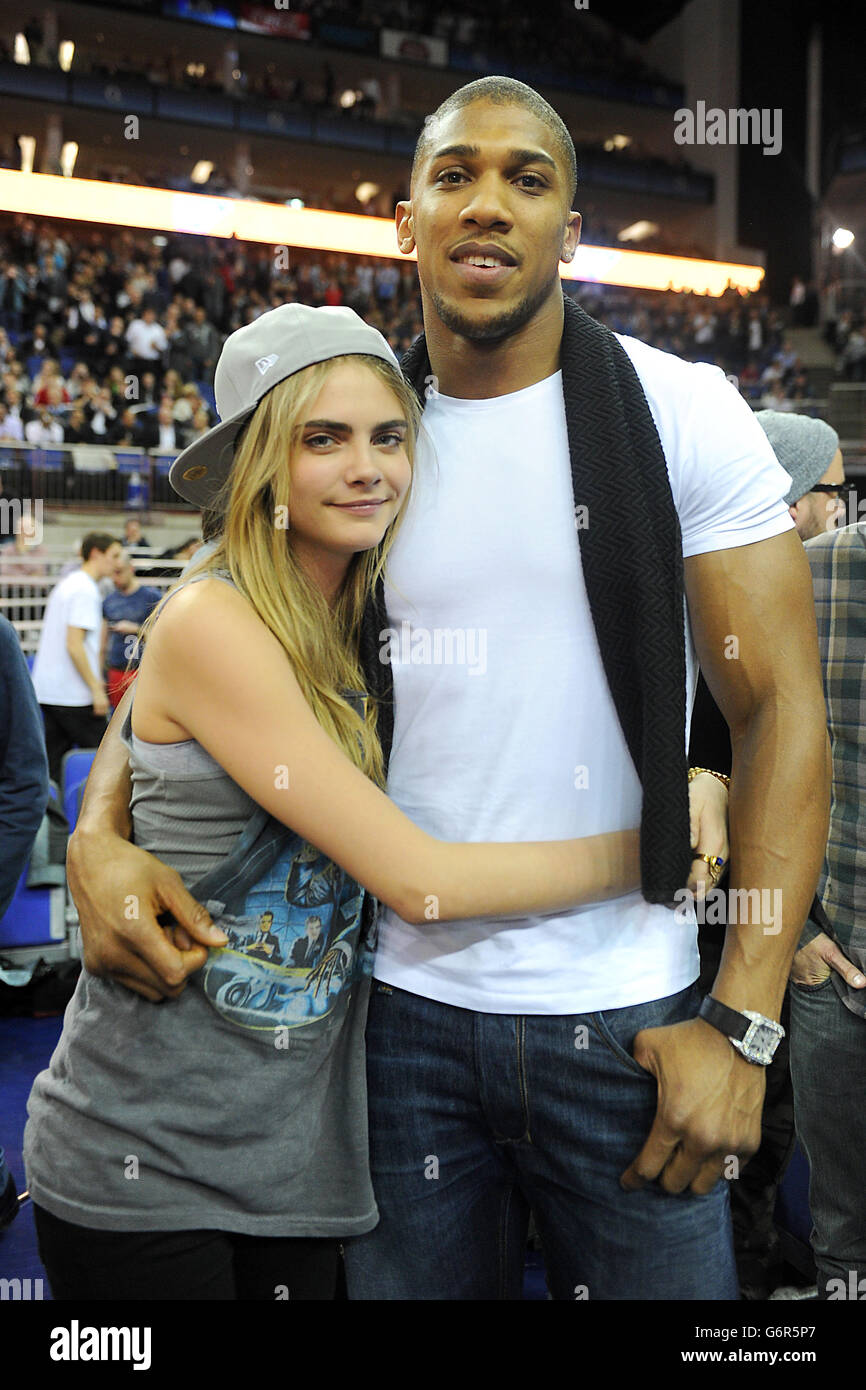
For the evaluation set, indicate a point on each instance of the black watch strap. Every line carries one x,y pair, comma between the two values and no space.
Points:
728,1021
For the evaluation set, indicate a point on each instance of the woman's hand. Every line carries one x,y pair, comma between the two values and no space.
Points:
708,818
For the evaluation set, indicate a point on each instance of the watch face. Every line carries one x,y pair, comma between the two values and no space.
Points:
761,1040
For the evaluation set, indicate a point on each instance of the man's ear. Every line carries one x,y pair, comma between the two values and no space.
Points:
405,227
571,236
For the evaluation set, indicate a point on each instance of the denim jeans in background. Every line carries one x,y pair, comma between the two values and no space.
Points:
476,1118
828,1069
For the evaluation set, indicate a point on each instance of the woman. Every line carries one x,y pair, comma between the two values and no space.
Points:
216,1147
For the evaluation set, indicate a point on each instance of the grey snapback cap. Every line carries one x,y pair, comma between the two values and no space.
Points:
803,446
254,360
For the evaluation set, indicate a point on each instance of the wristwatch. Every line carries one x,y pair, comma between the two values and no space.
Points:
753,1035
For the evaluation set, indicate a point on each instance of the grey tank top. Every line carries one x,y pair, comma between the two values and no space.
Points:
240,1106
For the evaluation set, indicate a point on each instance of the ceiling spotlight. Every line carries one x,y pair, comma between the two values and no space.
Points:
202,171
65,54
27,146
348,98
21,51
365,191
638,231
68,156
617,142
842,238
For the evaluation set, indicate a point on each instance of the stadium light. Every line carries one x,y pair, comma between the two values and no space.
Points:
842,238
161,209
202,171
638,231
365,191
65,54
27,146
21,51
68,156
617,142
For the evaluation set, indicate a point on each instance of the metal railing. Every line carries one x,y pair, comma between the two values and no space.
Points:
90,475
27,578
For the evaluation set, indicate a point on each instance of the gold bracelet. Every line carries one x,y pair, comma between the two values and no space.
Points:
720,776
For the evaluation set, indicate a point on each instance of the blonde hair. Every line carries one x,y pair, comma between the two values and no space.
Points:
321,643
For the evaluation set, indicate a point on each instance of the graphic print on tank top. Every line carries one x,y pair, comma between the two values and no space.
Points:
292,952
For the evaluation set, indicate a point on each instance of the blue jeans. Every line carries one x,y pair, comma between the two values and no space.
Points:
476,1118
828,1069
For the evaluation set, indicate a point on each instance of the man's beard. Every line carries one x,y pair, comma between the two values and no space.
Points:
501,326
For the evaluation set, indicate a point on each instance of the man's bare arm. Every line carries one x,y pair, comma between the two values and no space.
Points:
769,689
753,619
120,890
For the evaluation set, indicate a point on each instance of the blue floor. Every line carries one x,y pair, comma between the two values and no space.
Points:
26,1045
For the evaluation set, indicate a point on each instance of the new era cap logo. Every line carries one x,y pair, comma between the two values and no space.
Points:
264,362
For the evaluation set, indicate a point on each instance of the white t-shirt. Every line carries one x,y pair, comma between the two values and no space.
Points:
74,602
505,728
146,340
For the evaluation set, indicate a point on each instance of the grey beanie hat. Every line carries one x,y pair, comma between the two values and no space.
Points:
803,446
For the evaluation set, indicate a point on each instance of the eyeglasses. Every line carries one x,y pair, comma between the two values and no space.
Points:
835,489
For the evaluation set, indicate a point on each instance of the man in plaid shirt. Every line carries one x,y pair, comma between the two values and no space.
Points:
828,1005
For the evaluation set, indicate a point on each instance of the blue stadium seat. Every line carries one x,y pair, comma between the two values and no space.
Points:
35,916
74,772
34,366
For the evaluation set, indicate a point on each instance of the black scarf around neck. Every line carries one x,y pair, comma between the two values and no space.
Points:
631,553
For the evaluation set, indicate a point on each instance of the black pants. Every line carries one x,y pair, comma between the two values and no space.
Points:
68,726
172,1265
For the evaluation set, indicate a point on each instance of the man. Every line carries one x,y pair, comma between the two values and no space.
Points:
134,539
43,431
146,341
23,798
555,1062
828,1005
124,612
66,672
808,450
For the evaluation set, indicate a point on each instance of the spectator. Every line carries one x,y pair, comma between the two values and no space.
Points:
133,538
23,798
66,674
11,429
43,431
828,999
124,612
147,342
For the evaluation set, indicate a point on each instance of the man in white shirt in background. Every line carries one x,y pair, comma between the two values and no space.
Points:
66,673
147,341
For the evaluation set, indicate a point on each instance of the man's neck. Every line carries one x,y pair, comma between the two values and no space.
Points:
473,370
91,571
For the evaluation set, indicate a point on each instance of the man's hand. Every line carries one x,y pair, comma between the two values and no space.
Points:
709,1107
121,937
100,701
811,965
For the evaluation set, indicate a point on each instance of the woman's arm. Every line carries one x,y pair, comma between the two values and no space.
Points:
120,890
213,672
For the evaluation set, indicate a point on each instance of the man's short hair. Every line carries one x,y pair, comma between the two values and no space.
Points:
502,91
97,540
